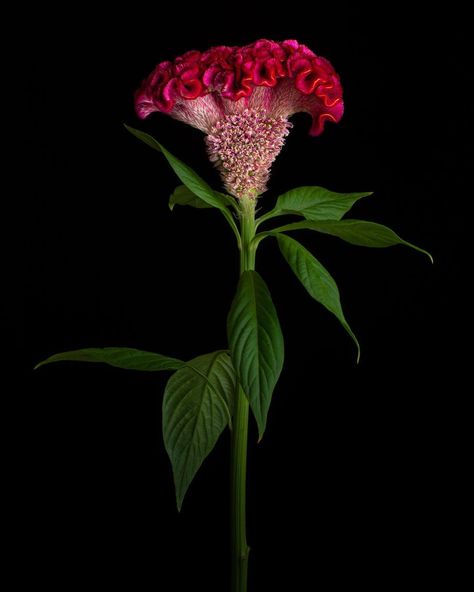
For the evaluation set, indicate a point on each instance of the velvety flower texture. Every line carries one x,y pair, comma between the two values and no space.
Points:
242,97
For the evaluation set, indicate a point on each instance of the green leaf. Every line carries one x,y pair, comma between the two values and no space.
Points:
185,173
182,196
315,278
317,203
356,232
256,343
193,181
120,357
196,408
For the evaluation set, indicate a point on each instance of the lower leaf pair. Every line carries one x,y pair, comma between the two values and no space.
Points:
197,403
198,400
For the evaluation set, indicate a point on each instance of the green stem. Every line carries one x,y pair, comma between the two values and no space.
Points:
239,548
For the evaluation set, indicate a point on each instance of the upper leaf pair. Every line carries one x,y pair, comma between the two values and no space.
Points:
189,177
323,210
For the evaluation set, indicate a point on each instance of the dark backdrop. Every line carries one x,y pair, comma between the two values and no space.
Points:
355,479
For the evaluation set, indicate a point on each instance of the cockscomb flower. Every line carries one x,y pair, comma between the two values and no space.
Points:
242,97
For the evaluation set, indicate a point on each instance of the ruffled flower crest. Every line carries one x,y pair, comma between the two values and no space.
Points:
242,97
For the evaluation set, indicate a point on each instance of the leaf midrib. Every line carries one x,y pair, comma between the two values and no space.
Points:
254,305
196,416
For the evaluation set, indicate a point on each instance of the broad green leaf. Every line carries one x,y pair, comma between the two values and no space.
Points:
256,343
120,357
182,196
317,203
196,409
185,173
357,232
315,278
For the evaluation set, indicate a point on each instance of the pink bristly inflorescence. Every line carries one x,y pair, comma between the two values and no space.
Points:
243,147
242,97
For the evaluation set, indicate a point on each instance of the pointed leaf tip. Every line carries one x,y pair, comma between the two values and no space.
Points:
120,357
144,137
356,232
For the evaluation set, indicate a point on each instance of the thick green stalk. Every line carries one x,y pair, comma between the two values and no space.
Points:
239,548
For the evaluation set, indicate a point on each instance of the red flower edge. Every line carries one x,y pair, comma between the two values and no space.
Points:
292,76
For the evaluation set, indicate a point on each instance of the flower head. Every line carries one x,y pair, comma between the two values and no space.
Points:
242,97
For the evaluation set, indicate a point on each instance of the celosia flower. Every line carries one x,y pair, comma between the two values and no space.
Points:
242,97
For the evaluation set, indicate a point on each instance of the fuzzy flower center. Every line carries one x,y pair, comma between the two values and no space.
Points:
243,146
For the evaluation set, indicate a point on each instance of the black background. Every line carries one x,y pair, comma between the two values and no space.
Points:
359,476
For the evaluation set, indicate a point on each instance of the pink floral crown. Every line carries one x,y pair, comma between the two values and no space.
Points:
282,78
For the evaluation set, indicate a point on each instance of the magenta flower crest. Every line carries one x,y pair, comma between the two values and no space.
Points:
242,97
